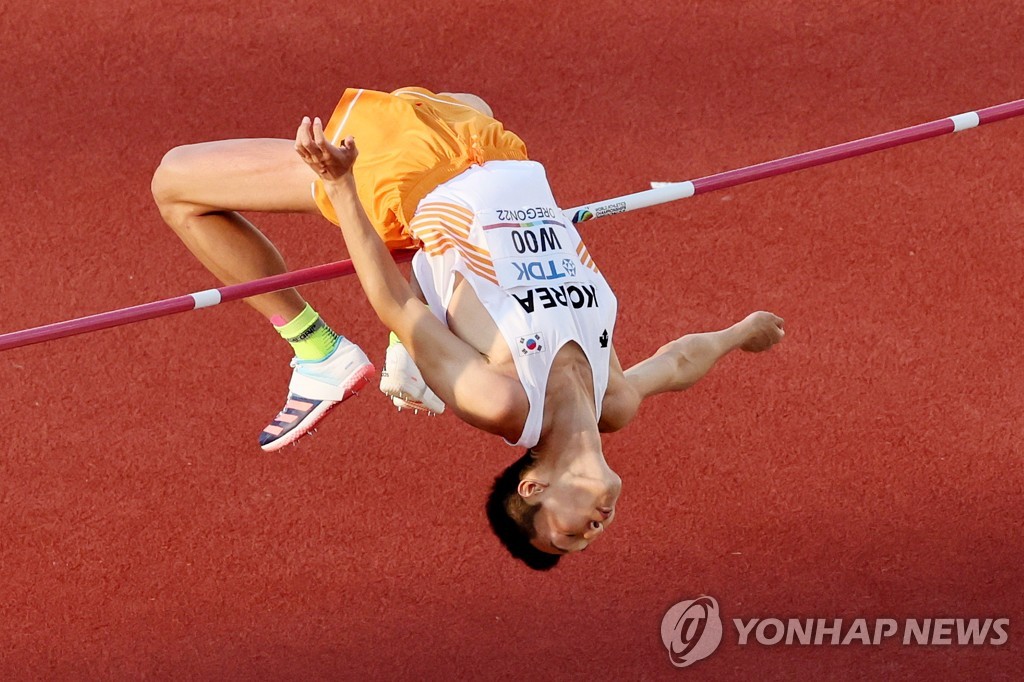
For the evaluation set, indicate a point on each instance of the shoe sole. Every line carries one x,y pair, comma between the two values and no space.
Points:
358,382
392,386
403,402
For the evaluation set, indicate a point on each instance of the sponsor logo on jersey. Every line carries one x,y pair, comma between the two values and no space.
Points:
540,270
531,246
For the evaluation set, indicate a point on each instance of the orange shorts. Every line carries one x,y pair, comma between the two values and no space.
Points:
410,141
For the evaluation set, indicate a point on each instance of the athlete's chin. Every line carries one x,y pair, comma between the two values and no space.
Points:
547,549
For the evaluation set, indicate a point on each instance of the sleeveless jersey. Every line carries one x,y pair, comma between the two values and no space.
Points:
497,225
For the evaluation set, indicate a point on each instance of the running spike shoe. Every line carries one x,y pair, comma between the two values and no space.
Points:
402,382
315,388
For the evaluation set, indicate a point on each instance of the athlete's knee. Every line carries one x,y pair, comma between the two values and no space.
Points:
167,179
171,182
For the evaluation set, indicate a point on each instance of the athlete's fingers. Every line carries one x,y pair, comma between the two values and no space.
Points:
311,146
779,327
350,146
318,133
321,146
317,143
316,155
326,160
763,330
302,138
308,150
298,139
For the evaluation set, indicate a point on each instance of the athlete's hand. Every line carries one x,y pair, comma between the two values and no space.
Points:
326,160
760,331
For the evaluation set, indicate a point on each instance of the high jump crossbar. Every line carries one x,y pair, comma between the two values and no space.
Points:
630,202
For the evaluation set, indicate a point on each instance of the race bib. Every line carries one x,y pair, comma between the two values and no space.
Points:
531,247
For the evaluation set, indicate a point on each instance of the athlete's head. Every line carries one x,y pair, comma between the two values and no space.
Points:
512,518
541,513
574,510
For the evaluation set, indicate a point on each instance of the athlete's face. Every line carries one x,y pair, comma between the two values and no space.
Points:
574,512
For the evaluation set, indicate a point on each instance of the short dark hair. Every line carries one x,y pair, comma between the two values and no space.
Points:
512,518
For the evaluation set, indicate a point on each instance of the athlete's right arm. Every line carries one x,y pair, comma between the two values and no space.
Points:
680,364
453,369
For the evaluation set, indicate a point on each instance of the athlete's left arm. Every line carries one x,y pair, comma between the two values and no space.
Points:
680,364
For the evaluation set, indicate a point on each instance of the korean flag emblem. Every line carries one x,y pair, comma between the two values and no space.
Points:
528,345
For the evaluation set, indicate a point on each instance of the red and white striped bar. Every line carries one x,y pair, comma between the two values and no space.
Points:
629,202
681,190
181,304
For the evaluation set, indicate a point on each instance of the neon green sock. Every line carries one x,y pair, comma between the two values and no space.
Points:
309,335
393,339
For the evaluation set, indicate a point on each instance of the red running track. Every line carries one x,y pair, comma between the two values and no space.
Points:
869,468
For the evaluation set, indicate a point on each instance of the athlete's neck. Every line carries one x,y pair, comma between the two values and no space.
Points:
570,441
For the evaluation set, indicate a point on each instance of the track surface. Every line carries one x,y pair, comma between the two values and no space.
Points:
868,467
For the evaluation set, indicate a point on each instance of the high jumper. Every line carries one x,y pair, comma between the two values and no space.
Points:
193,181
507,319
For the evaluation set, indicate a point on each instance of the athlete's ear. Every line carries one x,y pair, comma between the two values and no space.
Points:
528,488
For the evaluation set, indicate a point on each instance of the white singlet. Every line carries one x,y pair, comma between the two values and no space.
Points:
497,225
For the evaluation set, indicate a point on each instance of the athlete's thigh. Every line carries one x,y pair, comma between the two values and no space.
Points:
259,174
